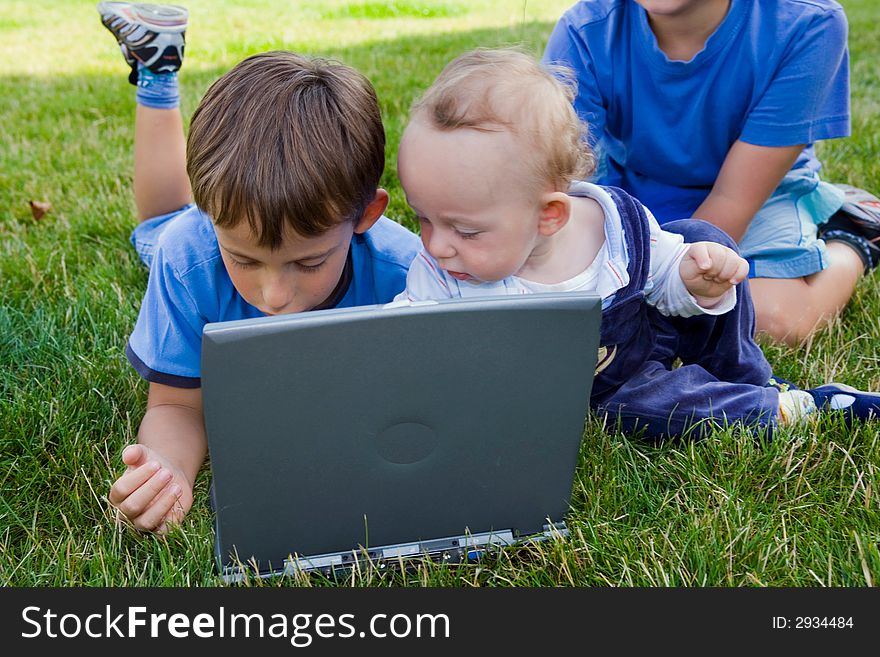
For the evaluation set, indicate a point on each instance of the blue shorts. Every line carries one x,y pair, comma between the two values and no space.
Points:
782,241
146,234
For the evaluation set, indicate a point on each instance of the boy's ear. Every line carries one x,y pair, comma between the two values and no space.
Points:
555,212
373,211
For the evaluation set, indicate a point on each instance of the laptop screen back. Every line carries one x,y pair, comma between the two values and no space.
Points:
371,426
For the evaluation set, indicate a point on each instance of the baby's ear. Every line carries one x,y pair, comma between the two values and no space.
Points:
372,212
555,212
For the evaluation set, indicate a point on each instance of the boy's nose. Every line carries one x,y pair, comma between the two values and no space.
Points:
277,293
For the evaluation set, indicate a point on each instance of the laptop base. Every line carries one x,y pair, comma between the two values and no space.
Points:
453,550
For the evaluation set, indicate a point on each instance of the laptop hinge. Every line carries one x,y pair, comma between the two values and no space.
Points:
556,530
453,548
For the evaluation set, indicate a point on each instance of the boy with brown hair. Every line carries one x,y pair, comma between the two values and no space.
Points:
284,157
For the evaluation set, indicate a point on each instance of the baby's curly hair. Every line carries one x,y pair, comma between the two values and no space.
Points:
507,89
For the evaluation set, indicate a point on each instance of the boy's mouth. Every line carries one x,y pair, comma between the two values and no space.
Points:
459,276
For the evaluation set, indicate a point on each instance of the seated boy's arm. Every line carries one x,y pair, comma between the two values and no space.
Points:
567,47
747,179
157,485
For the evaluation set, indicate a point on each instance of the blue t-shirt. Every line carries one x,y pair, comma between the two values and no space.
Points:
189,287
773,73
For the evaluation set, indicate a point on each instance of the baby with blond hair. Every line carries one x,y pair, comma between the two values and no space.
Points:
493,162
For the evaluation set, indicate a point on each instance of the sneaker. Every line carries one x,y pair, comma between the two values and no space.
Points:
855,404
153,35
860,216
868,252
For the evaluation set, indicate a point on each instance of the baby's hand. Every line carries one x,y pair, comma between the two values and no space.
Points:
709,269
151,492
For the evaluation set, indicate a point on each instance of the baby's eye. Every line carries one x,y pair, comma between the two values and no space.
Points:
467,235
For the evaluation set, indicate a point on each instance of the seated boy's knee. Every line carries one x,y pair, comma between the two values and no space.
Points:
697,230
781,324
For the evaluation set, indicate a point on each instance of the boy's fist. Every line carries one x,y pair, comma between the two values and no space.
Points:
151,492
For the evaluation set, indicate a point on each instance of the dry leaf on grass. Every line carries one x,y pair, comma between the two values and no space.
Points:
39,208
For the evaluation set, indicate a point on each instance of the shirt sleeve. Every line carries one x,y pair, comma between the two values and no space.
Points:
808,98
664,289
165,345
389,248
424,281
566,48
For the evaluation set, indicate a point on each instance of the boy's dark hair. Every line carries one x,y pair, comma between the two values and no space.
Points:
286,139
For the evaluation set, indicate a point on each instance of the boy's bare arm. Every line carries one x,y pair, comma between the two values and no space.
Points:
747,179
157,485
174,425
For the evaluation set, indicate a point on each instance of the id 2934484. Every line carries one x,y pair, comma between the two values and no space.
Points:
813,622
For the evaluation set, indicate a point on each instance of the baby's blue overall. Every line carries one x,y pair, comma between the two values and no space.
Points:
723,373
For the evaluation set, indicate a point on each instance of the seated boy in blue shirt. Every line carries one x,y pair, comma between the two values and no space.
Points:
284,156
492,162
710,109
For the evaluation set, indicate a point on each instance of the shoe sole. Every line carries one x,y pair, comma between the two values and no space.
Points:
158,18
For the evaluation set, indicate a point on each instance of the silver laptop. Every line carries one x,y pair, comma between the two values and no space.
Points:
389,433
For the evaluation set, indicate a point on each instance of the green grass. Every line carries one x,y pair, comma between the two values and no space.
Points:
393,9
802,511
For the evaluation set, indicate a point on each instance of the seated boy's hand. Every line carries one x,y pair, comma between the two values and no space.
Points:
151,492
709,269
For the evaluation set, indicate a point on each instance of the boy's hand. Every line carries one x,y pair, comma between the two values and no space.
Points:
709,269
151,492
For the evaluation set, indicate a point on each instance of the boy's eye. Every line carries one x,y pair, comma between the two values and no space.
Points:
467,235
310,268
243,264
